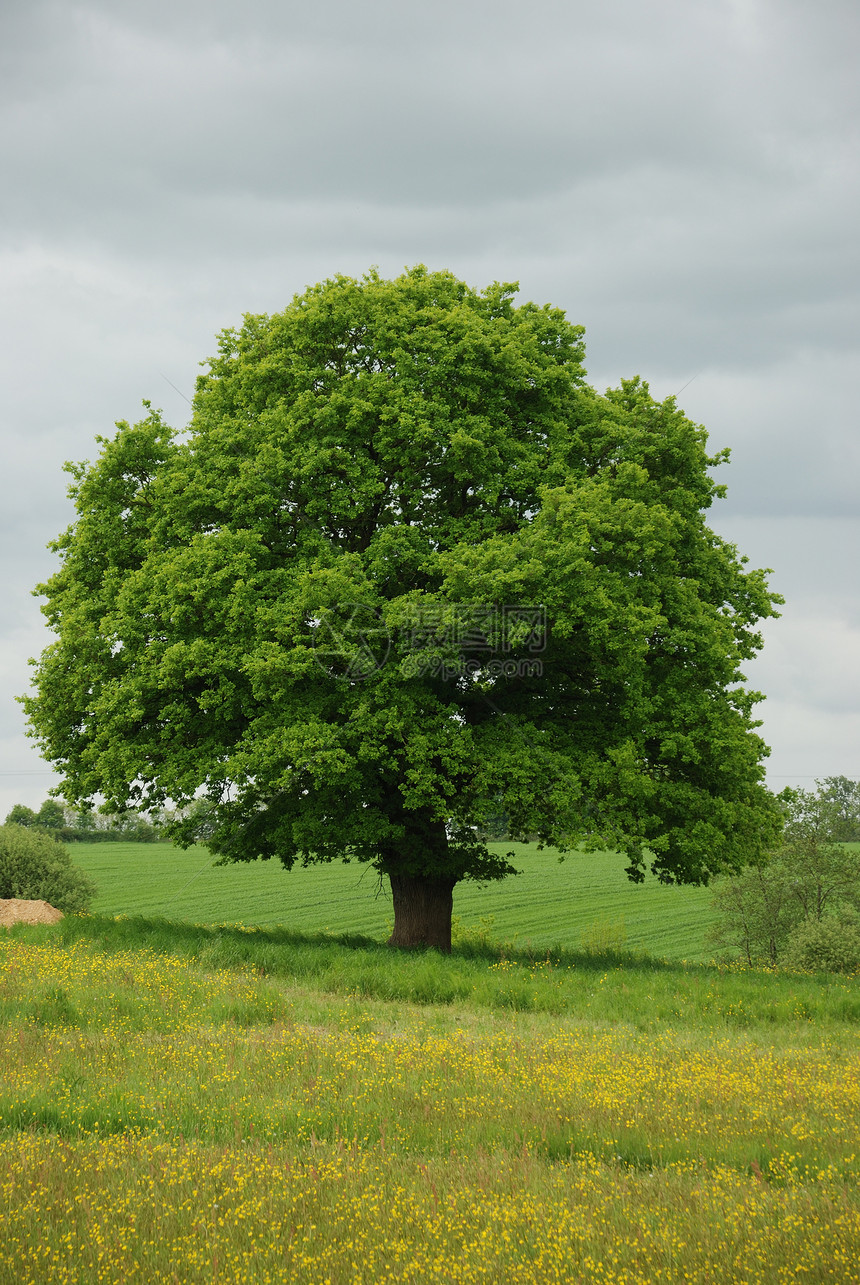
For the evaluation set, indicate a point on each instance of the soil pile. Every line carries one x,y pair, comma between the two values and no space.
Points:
15,911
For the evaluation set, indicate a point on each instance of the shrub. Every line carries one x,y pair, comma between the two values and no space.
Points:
603,936
479,937
828,945
813,877
757,911
35,867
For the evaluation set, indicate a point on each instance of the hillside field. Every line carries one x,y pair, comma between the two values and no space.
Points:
548,904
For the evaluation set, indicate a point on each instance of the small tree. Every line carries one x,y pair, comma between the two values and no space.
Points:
811,878
822,873
756,912
51,815
21,815
845,795
35,867
408,571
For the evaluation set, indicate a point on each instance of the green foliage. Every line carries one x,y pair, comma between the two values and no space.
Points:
84,820
768,912
51,815
86,827
197,821
845,797
131,827
21,815
494,826
756,912
270,610
127,827
35,867
824,873
479,937
830,945
604,936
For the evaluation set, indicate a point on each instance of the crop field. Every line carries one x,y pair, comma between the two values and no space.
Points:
193,1104
548,904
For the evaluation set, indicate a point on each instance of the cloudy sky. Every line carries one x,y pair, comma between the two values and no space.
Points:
681,177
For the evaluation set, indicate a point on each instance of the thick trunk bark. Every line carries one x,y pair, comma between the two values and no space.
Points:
422,911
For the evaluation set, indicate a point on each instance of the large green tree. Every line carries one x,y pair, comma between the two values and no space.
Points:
406,571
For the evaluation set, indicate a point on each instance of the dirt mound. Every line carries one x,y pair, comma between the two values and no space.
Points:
15,911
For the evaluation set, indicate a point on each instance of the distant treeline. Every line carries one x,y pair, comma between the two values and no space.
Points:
139,834
68,826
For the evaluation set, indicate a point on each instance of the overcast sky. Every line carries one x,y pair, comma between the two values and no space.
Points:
681,178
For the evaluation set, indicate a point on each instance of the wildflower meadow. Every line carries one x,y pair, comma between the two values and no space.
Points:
185,1104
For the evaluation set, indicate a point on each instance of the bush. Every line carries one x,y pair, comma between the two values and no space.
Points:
35,867
603,936
474,937
828,945
812,878
757,911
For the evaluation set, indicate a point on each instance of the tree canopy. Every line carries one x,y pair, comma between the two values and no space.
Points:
406,569
51,815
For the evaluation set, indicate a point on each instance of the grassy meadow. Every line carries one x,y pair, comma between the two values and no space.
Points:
184,1099
548,904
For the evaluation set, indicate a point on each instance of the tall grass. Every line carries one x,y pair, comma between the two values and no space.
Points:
128,1209
203,1104
599,984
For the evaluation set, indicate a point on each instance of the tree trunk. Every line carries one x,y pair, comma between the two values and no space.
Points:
422,911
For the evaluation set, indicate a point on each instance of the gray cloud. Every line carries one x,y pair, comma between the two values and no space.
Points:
808,666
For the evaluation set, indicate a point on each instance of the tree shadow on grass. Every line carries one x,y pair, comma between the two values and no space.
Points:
277,950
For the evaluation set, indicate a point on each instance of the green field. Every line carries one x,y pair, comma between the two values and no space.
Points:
548,904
